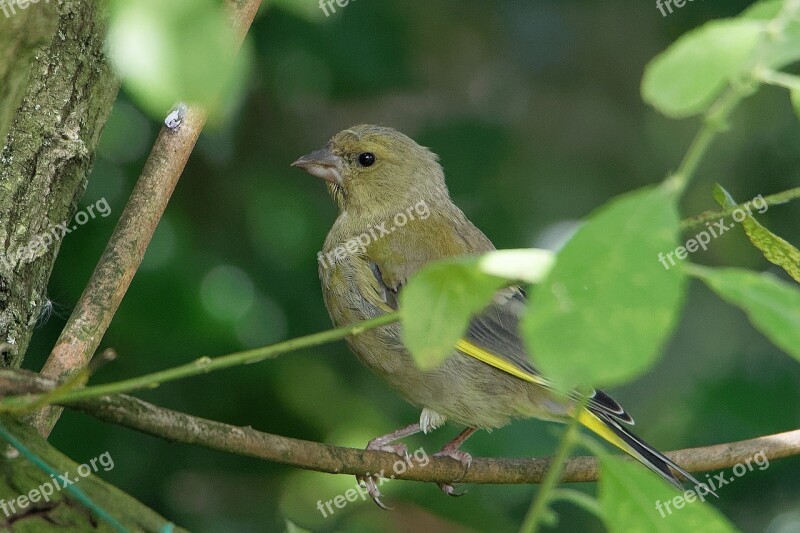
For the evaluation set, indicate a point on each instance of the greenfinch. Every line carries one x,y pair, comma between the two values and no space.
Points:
396,216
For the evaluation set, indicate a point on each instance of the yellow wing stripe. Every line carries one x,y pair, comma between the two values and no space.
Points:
499,363
586,417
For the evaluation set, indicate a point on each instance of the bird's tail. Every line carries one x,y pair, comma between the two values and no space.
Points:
604,425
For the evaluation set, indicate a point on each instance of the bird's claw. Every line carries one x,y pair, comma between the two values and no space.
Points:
368,482
450,490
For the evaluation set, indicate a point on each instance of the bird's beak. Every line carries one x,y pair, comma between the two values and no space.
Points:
323,164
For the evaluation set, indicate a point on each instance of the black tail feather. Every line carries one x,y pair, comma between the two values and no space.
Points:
652,458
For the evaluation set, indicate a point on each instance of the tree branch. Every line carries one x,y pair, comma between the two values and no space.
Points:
183,428
125,250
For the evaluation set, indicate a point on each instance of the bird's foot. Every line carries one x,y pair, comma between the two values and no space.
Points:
462,457
398,448
368,482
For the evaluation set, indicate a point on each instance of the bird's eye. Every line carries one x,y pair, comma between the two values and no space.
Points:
367,159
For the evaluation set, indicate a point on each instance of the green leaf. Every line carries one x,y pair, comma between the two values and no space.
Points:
784,45
634,500
772,305
603,314
775,249
437,304
181,50
687,77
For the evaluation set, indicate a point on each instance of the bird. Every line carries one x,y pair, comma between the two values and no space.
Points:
374,174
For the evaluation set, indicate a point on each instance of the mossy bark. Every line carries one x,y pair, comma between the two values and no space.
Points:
56,91
20,477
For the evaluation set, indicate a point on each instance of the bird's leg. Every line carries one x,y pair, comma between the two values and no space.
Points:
451,450
384,443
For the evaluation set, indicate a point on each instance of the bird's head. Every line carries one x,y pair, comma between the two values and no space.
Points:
374,169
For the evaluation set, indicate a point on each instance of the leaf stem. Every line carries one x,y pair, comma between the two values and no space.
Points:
779,79
715,121
772,199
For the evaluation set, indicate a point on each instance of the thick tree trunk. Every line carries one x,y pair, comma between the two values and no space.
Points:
56,90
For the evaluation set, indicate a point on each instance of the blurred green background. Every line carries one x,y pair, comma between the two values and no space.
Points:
534,108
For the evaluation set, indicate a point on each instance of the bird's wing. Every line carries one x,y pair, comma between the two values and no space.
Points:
493,338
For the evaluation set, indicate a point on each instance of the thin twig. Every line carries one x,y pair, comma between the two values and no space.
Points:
124,252
69,393
713,216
